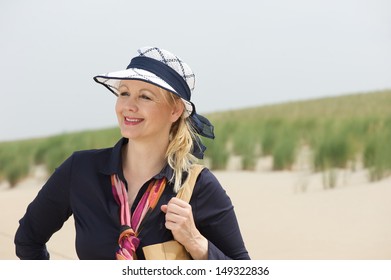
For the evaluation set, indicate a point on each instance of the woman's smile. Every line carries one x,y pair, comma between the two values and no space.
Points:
130,121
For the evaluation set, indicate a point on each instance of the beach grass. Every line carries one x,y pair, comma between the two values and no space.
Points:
17,158
339,130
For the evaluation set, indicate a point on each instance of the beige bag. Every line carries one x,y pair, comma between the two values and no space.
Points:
173,250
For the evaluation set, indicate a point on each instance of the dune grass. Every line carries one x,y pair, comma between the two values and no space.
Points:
17,157
339,130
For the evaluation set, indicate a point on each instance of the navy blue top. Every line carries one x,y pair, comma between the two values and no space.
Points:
81,187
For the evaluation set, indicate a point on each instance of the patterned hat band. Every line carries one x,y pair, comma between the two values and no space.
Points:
165,72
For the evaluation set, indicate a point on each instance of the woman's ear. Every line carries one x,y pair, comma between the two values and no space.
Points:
177,110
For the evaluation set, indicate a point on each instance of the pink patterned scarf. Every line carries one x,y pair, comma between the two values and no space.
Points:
131,226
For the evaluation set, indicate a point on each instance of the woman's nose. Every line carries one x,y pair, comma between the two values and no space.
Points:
131,104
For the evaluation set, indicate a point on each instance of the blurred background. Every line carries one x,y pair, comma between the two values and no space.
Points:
244,53
299,93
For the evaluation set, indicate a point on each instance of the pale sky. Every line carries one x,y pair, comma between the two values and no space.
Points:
244,53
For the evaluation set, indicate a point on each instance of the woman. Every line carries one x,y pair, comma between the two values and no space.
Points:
143,172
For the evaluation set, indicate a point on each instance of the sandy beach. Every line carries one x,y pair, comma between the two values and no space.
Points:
282,215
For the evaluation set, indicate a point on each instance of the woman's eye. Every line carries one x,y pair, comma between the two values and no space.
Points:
146,97
125,93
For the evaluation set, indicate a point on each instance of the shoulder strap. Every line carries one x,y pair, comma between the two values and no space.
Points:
186,190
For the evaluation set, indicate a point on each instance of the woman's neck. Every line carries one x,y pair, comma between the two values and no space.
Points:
142,160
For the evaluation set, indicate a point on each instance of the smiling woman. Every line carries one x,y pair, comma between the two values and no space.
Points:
128,198
143,113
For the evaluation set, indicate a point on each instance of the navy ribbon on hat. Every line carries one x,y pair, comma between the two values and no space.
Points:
202,127
201,124
165,72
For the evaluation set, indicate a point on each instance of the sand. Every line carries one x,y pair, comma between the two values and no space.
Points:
282,215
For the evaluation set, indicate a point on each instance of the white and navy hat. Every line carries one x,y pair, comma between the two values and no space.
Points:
163,69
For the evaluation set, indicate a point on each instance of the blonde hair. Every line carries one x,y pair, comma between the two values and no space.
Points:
179,152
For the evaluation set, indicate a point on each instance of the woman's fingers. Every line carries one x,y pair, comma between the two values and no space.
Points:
164,208
180,220
179,217
178,213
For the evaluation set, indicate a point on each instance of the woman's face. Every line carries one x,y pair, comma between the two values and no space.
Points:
143,111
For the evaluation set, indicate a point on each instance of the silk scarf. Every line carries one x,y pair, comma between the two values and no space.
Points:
131,225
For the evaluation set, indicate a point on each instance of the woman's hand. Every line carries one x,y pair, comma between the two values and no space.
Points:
179,219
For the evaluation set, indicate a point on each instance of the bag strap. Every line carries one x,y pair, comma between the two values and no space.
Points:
186,190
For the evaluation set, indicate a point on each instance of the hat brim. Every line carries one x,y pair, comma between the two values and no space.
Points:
112,80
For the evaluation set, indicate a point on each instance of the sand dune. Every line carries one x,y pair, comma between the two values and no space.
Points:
283,215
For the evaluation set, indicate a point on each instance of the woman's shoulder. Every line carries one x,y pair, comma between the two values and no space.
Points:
101,154
206,175
93,153
87,158
209,196
207,183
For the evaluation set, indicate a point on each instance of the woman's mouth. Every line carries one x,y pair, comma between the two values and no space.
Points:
132,121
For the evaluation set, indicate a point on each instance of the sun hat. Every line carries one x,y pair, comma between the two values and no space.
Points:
165,70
